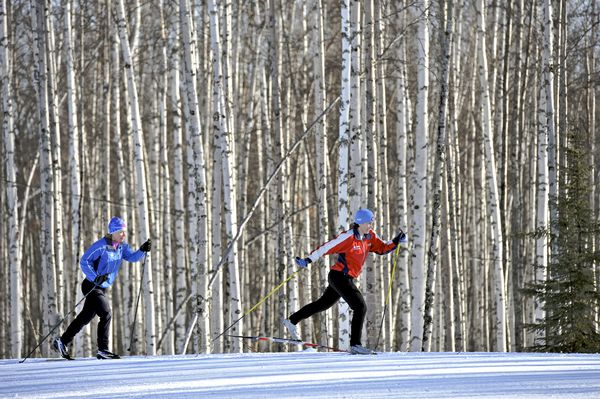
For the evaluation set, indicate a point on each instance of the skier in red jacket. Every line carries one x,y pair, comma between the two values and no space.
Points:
352,248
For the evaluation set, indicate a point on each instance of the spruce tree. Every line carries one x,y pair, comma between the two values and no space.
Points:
570,293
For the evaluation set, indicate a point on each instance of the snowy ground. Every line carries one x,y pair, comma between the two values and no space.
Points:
308,375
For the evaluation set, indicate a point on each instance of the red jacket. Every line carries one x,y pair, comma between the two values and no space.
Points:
352,250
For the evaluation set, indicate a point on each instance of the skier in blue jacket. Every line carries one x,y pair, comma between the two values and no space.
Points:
100,264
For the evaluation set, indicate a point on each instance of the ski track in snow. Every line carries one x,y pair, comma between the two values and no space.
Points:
308,374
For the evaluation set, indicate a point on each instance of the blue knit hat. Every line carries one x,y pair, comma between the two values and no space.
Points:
363,216
116,224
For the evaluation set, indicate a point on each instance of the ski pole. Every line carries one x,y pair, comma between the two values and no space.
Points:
56,325
387,296
258,304
136,305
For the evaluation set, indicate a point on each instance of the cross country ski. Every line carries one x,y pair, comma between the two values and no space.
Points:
292,341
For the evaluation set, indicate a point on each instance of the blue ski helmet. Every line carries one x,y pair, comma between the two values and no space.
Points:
363,216
116,224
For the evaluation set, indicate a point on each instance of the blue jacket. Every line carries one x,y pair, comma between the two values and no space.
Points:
103,258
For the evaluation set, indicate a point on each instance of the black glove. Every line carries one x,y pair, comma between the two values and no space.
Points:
100,279
147,246
400,238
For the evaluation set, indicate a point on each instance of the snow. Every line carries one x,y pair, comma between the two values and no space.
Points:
308,374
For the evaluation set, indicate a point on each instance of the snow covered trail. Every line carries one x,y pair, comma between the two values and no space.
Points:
308,375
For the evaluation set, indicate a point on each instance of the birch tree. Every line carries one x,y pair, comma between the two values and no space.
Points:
492,190
178,180
228,157
55,144
321,146
14,233
447,16
372,174
50,306
541,245
222,135
74,145
403,122
140,174
356,145
74,132
344,138
548,66
419,176
196,181
357,139
511,100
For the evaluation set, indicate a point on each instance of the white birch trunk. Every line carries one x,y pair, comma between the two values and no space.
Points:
358,146
217,321
196,183
228,156
343,216
225,155
178,183
499,290
74,155
140,178
403,300
384,266
151,155
591,108
121,146
541,214
438,175
167,232
454,193
372,273
419,188
356,135
14,234
49,301
321,146
56,157
548,66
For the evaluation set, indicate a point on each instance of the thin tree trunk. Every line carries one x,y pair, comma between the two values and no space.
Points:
453,194
356,136
372,276
385,201
447,15
321,145
224,155
402,125
140,177
167,232
196,183
49,301
55,144
419,188
355,114
74,154
343,172
181,286
493,197
541,242
548,67
228,156
14,233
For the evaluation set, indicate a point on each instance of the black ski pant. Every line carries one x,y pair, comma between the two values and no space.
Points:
340,286
95,303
